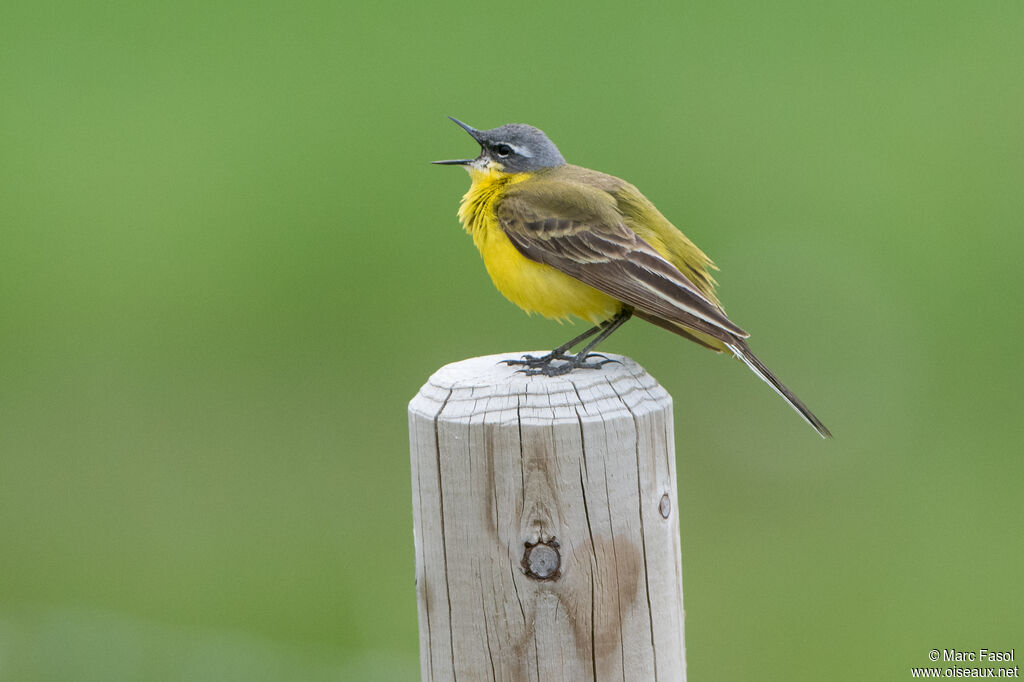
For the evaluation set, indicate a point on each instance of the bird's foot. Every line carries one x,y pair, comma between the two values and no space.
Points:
546,364
542,361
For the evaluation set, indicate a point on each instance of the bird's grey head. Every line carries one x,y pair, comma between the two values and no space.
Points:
516,147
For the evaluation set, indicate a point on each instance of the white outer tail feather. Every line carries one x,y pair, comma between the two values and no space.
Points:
757,367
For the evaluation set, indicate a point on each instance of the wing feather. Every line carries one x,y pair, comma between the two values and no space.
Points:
594,245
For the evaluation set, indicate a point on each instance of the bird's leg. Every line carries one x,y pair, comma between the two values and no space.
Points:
543,365
558,353
610,326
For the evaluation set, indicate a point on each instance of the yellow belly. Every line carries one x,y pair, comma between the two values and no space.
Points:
539,288
533,286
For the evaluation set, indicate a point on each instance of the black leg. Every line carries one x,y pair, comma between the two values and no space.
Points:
558,353
567,346
610,326
544,364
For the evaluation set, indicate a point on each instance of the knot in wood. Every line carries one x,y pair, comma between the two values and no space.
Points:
542,560
665,506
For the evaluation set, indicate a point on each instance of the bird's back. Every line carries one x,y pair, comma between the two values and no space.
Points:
581,195
640,215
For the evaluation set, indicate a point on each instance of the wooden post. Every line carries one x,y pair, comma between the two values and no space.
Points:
545,524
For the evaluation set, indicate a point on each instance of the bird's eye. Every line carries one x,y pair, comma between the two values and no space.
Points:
502,150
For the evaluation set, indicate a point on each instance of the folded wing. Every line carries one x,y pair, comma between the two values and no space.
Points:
577,230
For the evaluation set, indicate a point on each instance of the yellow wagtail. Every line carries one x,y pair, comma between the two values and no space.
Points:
562,241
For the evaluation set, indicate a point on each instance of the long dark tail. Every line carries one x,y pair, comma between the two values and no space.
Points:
741,350
709,336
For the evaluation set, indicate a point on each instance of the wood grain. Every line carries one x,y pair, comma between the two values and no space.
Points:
545,525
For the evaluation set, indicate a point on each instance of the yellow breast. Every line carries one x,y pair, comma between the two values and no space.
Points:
534,287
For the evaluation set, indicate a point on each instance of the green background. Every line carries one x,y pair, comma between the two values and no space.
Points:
226,266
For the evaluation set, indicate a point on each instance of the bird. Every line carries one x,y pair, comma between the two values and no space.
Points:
566,241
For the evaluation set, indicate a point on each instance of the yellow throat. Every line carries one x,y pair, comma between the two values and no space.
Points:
533,286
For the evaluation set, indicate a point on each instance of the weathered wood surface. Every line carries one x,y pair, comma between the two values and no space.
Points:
545,523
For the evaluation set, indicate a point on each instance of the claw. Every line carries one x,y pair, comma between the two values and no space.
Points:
535,362
597,355
545,365
606,358
593,365
567,362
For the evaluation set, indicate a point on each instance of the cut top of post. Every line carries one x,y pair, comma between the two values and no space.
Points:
487,389
546,525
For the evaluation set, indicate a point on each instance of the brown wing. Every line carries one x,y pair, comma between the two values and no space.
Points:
576,229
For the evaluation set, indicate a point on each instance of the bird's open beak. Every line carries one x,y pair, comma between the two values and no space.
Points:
473,132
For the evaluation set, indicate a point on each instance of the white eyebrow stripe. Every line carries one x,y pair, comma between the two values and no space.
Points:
519,150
